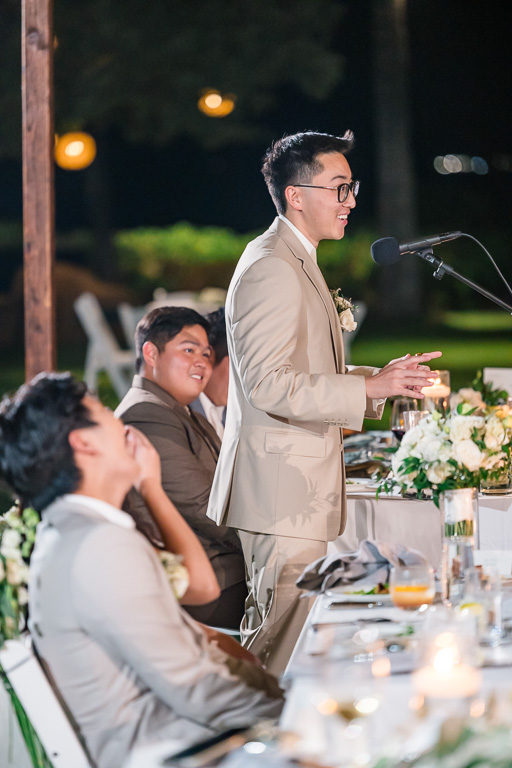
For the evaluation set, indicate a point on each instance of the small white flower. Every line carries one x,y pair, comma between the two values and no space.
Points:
438,472
461,427
16,573
176,572
494,433
347,321
22,596
468,453
11,541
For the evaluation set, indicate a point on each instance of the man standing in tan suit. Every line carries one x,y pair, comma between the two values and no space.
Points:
280,478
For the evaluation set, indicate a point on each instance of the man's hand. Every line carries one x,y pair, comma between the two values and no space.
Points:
403,376
146,457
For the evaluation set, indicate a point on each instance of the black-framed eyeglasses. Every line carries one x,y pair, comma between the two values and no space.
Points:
343,189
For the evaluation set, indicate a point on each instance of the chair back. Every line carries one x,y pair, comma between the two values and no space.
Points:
501,378
45,711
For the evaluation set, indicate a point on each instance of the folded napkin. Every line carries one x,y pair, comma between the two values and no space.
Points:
369,565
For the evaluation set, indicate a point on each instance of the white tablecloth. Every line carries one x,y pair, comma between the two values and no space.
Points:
417,524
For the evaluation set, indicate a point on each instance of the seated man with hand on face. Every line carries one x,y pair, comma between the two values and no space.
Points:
131,666
173,367
213,400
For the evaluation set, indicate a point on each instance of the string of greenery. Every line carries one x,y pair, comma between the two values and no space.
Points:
35,749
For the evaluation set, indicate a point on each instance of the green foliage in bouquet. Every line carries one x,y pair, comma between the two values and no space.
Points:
490,395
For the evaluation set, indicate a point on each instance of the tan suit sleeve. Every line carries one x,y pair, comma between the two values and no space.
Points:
267,306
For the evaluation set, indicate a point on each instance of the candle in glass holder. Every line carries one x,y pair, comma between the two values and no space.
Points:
436,396
447,671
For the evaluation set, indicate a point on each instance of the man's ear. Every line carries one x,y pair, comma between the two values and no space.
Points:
149,354
293,197
82,441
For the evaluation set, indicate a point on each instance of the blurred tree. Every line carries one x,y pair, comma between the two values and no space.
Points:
138,69
140,66
396,192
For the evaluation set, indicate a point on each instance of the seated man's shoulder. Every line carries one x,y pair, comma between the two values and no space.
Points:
142,406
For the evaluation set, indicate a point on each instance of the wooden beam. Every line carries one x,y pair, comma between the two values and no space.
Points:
38,186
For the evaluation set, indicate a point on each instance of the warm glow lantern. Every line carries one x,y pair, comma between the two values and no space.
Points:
75,151
214,104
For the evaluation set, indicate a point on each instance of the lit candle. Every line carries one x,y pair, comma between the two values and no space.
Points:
437,389
447,677
441,386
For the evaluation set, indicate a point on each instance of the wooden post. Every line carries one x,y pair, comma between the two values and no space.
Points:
38,186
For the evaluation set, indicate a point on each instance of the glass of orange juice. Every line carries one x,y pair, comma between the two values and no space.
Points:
412,586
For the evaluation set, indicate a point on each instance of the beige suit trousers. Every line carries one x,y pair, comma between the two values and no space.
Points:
274,611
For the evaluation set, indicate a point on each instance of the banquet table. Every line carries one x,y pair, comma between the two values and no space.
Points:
311,673
416,523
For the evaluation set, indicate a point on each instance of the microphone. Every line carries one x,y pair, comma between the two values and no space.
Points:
388,250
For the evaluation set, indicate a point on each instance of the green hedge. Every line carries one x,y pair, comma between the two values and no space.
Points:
188,257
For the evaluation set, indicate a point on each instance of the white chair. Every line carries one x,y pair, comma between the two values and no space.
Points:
501,378
42,706
360,312
129,317
103,351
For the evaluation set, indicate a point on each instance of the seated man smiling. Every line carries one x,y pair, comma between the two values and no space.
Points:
131,666
174,364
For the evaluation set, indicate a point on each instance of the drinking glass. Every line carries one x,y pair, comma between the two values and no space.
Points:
412,586
401,405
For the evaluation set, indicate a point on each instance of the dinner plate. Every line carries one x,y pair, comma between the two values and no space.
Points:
361,485
346,594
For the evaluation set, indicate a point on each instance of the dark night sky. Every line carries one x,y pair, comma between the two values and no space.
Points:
460,75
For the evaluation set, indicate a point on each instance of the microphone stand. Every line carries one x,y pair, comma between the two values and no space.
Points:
443,269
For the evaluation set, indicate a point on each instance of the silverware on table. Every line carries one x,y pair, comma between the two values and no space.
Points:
336,604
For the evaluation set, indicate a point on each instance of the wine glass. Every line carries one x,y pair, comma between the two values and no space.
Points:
412,586
401,405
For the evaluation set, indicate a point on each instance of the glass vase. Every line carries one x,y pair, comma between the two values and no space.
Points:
499,485
459,519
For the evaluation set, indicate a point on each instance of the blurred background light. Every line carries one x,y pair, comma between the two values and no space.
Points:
75,151
445,164
214,104
502,162
452,164
479,165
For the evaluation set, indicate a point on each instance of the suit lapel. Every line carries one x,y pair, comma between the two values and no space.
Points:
313,272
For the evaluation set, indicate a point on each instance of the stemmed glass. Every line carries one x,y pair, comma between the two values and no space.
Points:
401,405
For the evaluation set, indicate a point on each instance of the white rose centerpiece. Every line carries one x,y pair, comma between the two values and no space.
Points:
460,450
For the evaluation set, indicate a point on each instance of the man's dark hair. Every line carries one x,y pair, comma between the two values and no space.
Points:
293,160
36,458
163,324
217,334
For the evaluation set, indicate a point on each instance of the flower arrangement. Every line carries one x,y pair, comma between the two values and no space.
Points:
344,308
17,537
459,450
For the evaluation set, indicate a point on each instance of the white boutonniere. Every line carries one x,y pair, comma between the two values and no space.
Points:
176,572
344,308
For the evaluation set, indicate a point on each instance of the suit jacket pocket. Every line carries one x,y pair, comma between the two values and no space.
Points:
295,444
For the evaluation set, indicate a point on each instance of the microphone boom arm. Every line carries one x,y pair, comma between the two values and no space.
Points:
443,269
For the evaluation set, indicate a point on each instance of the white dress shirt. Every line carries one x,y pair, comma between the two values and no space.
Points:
215,414
310,248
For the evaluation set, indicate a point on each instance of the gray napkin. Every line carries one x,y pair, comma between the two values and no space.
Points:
369,565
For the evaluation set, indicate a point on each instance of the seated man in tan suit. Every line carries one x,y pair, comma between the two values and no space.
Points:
280,479
131,666
173,366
